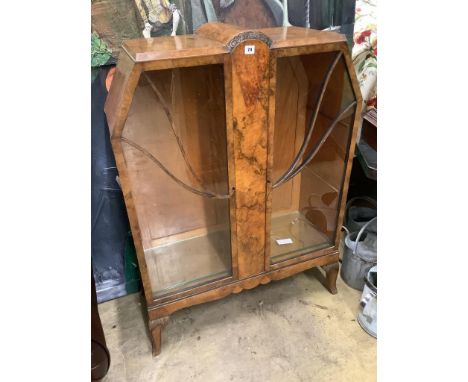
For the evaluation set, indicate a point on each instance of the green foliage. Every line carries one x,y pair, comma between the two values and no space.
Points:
100,52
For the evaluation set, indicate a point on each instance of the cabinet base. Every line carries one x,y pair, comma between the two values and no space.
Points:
159,314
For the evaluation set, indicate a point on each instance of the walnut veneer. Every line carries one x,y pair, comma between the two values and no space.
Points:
234,149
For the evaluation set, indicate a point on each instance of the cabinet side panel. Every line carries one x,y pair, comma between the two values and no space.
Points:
352,145
119,97
117,107
250,83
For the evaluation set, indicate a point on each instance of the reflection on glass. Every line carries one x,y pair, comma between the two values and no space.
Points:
174,144
309,166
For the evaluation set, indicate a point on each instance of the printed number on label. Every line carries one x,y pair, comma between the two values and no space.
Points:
249,49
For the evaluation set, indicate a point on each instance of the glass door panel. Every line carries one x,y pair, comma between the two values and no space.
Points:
313,92
174,145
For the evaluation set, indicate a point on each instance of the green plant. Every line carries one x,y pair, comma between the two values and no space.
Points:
100,52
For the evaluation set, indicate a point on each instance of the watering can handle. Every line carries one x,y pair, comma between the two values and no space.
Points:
361,231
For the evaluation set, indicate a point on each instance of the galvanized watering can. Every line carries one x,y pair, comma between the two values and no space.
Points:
360,255
367,315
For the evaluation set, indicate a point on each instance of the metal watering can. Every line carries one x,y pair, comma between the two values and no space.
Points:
367,315
359,256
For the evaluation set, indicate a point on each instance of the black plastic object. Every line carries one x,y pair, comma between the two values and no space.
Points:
368,159
322,14
110,237
360,184
359,211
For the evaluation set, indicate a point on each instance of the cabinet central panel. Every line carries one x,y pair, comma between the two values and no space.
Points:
250,84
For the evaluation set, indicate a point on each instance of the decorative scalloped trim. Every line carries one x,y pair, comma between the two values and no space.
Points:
249,35
253,284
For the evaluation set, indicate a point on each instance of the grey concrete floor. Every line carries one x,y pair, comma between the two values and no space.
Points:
289,330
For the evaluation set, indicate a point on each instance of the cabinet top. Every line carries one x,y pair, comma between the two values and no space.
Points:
213,39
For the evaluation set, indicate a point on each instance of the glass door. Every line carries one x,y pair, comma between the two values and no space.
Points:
314,115
175,149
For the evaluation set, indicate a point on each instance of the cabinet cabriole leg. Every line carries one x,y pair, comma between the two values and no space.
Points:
155,327
331,274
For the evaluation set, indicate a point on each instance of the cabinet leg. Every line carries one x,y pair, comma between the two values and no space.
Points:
331,274
155,327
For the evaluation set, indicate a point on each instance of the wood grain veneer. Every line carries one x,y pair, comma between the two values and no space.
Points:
230,123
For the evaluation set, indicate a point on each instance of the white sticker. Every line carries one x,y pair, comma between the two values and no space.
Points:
249,49
284,241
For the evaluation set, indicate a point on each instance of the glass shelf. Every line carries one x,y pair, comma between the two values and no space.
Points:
189,259
298,233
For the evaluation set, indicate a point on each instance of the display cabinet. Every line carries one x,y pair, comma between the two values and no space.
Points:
234,149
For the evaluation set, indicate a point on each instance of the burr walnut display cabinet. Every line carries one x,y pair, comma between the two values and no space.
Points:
234,150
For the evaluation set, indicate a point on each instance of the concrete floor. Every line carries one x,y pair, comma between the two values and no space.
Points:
289,330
